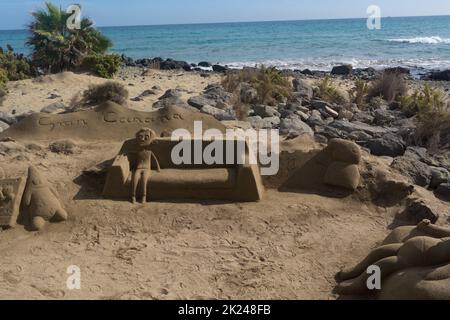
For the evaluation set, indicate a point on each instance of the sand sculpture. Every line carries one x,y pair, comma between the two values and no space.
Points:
144,156
40,201
337,165
230,182
10,194
109,121
414,262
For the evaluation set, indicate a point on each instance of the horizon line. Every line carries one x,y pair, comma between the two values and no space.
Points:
252,21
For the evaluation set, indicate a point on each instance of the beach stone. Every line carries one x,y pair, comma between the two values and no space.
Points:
219,114
444,191
304,116
440,76
204,64
200,101
359,136
418,172
344,175
389,145
398,70
315,119
350,127
343,70
345,114
319,104
364,117
3,126
331,112
439,176
11,191
7,118
219,68
385,117
265,111
56,107
295,125
258,122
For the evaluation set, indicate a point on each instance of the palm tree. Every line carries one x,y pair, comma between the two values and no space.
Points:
57,48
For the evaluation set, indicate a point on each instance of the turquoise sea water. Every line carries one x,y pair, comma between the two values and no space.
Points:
415,42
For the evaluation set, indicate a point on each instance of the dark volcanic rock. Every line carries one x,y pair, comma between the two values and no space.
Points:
388,145
204,64
343,70
417,210
443,191
440,76
219,68
418,172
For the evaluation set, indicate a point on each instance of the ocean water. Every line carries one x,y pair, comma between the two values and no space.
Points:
420,43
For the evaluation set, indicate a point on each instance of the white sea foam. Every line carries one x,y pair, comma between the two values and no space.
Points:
423,40
417,65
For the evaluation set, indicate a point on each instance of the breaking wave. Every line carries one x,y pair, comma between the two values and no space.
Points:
423,40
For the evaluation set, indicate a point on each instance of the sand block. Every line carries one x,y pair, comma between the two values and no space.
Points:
11,191
107,122
344,175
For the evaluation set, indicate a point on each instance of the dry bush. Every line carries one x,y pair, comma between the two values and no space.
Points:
271,85
330,93
98,94
390,86
432,110
359,93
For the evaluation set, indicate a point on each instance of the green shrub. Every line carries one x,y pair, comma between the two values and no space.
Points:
98,94
16,66
3,80
105,66
432,111
390,86
329,93
55,47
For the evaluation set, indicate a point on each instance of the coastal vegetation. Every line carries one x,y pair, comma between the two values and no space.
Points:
56,48
431,108
330,93
390,86
98,94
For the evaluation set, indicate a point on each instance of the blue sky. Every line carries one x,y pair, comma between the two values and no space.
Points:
15,13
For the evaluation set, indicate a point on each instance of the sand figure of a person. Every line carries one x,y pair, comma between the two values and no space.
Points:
41,201
143,168
420,251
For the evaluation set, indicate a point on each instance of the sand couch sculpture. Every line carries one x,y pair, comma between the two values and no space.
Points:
34,202
228,182
414,261
108,122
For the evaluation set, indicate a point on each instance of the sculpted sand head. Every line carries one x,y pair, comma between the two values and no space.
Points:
145,137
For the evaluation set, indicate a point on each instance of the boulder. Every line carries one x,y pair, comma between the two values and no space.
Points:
439,176
364,117
443,191
200,101
418,172
389,145
345,114
219,114
205,64
265,111
350,127
219,68
343,70
440,76
7,118
57,107
3,126
295,125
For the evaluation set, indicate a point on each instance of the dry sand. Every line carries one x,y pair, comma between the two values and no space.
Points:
288,246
